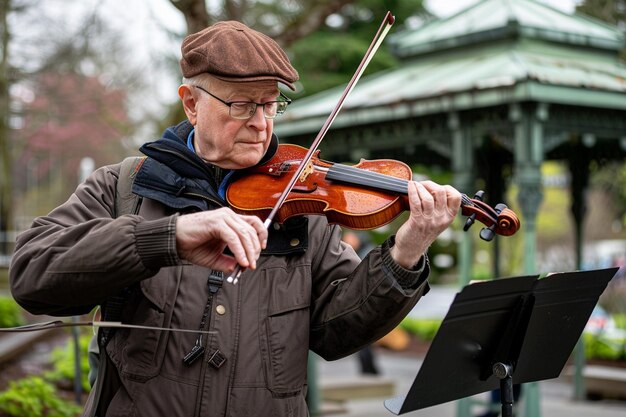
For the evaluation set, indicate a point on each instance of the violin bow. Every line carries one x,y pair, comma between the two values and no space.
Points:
386,24
95,323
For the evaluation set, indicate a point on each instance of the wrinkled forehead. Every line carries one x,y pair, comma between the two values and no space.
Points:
252,88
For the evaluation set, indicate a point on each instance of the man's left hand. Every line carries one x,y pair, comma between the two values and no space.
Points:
433,208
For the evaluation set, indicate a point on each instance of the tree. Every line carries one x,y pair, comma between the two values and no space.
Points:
610,11
71,116
325,39
612,176
70,102
5,160
285,21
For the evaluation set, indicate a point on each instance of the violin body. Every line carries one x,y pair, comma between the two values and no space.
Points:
364,196
353,206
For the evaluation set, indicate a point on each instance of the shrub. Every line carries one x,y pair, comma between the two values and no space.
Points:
34,397
63,367
425,329
602,346
620,321
10,313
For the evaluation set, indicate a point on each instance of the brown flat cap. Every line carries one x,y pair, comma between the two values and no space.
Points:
233,52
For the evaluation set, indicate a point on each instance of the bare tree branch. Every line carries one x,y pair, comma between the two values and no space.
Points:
310,20
195,12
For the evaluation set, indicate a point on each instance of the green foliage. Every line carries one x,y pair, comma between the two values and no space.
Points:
620,321
330,56
10,313
425,329
325,60
601,346
610,11
34,397
63,367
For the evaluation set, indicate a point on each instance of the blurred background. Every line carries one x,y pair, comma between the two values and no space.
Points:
523,99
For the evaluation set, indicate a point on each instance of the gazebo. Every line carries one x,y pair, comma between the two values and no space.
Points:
491,92
505,82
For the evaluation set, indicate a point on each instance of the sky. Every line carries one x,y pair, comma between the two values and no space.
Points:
445,8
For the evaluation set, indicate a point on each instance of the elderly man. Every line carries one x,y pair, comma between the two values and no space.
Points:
302,287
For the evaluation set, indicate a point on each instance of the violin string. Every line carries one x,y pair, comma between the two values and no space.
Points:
376,179
367,178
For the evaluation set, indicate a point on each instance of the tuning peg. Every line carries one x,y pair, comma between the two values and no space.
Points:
469,222
488,233
479,195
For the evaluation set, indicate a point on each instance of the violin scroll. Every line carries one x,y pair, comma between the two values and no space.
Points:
499,220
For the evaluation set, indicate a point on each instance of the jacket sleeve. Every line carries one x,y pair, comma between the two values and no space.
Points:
78,255
355,303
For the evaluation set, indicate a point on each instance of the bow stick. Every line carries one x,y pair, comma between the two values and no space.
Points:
95,323
386,24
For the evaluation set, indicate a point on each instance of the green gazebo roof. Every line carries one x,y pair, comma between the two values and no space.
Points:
495,52
494,19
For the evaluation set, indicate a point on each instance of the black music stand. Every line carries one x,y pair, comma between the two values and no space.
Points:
497,333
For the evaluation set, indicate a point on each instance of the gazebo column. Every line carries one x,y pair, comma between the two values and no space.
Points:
579,170
528,136
462,168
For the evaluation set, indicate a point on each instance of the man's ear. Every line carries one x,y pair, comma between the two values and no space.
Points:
189,101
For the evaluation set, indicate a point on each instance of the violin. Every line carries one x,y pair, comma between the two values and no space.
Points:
365,196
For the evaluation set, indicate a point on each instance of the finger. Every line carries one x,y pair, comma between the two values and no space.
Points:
427,200
454,198
224,263
247,240
256,233
446,196
260,229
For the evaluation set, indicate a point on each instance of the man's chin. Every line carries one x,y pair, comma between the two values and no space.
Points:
246,162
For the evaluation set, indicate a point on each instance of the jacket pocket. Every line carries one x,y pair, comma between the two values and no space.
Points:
286,323
141,350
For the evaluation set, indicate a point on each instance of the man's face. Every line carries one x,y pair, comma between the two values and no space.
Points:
221,139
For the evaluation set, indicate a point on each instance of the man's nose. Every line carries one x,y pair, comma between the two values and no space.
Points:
258,119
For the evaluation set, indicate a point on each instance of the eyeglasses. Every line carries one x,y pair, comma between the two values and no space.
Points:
245,109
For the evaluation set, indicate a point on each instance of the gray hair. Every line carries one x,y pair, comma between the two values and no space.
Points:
201,80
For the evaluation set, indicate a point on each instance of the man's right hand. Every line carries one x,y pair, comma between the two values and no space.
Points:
202,237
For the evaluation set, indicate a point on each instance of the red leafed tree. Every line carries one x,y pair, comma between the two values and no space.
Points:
70,117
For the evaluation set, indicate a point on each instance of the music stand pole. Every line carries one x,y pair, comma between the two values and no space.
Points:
505,373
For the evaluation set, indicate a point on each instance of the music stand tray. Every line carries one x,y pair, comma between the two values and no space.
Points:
504,332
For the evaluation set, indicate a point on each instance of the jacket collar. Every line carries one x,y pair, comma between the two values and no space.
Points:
177,177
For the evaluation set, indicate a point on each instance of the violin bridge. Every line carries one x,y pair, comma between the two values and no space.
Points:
308,170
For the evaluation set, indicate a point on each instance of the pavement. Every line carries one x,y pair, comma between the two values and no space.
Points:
555,395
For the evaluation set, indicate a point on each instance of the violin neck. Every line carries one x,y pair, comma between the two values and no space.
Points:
371,179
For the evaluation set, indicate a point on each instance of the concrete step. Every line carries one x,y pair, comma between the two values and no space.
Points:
15,344
340,389
602,381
